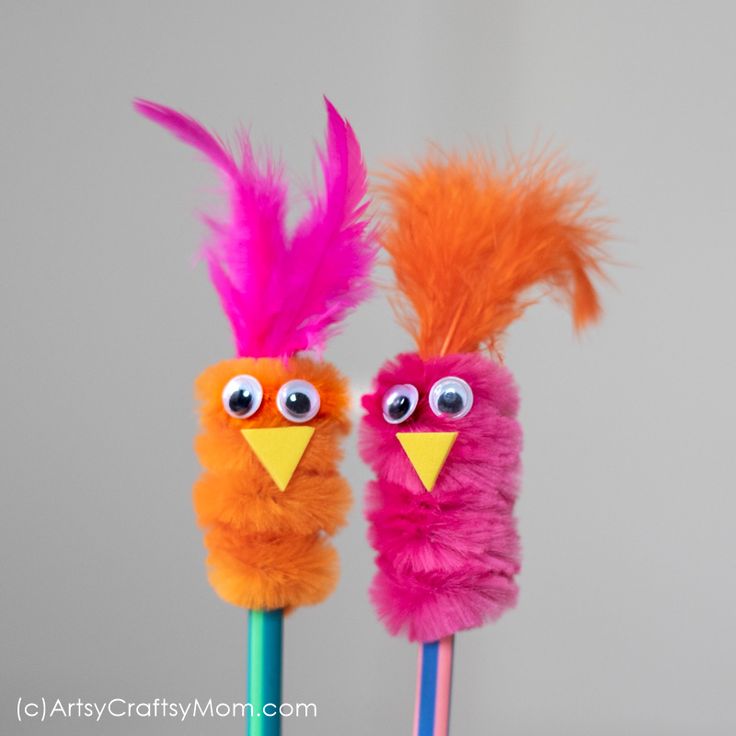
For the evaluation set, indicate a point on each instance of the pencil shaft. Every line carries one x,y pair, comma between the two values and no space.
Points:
265,645
434,688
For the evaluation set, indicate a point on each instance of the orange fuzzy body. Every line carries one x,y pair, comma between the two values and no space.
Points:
268,549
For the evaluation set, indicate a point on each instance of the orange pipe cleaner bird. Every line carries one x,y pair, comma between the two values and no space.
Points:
272,419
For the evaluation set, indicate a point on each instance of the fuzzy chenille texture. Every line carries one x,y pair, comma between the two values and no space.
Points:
270,549
446,560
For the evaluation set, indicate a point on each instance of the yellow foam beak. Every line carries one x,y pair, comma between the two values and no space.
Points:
279,449
427,452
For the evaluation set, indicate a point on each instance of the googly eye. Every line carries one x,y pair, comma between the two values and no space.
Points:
399,403
298,401
451,397
242,396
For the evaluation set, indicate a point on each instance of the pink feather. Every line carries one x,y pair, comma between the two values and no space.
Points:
284,294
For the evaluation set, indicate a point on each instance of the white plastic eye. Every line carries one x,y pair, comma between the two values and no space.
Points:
298,401
451,397
242,396
399,403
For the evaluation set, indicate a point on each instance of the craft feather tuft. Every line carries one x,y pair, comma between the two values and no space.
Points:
470,241
284,293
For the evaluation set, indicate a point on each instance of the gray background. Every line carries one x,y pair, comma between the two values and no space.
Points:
626,620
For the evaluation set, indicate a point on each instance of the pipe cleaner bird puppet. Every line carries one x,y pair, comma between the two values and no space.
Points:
272,418
471,245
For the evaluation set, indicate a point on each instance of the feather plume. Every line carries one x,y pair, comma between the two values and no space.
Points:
469,242
282,293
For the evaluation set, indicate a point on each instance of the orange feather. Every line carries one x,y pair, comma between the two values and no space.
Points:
470,241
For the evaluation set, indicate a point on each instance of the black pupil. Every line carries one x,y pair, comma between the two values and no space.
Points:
240,401
450,402
399,407
298,403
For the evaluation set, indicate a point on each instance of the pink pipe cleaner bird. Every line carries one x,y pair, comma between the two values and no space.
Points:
468,243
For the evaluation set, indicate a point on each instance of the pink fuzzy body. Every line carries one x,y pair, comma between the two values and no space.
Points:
446,559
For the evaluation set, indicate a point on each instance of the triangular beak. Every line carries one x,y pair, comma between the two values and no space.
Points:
427,452
279,449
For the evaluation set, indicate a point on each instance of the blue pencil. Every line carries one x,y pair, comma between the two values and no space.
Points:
434,688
